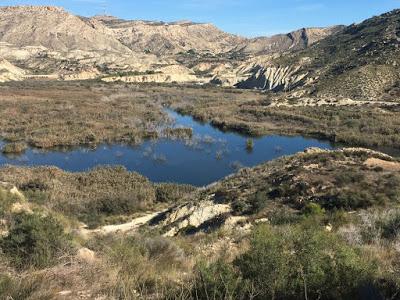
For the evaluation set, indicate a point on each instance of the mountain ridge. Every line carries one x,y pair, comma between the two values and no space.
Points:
47,40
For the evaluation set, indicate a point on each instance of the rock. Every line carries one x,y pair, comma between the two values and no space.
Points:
192,216
314,150
9,72
55,29
14,191
19,207
162,38
86,255
328,228
64,293
260,221
273,78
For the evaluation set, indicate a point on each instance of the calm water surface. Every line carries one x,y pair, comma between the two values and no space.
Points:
208,157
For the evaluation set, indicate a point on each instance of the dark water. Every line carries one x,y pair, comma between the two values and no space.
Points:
208,157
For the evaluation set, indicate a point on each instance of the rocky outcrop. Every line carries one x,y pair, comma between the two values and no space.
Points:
82,75
274,78
9,72
192,216
169,74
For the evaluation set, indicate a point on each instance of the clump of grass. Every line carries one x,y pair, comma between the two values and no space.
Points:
249,145
14,148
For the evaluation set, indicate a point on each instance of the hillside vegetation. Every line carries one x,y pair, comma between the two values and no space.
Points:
335,215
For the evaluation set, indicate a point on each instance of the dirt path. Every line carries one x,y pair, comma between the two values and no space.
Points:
120,228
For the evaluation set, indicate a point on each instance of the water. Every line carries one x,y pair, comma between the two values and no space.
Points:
208,157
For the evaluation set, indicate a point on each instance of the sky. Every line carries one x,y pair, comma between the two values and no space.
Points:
244,17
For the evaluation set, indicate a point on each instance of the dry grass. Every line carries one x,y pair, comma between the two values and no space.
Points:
372,125
96,197
53,114
49,114
60,114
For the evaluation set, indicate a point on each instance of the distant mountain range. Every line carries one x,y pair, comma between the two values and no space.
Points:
49,42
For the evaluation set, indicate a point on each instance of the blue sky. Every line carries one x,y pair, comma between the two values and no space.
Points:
244,17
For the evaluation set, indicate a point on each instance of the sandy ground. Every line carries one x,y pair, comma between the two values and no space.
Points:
386,165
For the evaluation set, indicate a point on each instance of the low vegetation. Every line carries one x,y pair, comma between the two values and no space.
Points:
332,180
368,125
61,114
288,263
69,114
14,148
97,197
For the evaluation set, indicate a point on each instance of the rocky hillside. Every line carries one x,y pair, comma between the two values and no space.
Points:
349,179
170,38
360,61
55,29
49,42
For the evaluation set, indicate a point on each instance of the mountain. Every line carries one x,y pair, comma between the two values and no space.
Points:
361,62
163,38
296,40
170,38
49,42
54,29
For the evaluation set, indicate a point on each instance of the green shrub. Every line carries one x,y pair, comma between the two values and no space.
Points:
37,196
249,145
254,204
299,262
144,264
34,240
313,209
353,199
391,227
240,207
98,210
172,193
218,280
259,201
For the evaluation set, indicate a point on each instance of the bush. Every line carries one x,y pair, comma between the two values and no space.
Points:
218,280
172,193
299,262
391,227
34,240
145,265
313,209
